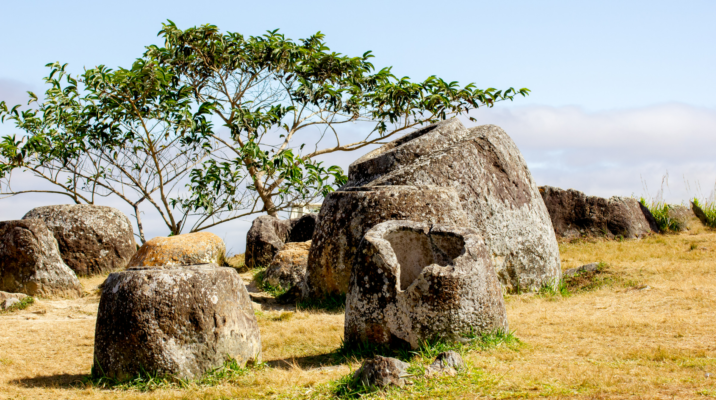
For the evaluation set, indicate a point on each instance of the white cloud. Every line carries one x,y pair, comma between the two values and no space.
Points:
608,153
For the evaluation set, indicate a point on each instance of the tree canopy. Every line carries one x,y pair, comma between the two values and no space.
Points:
215,126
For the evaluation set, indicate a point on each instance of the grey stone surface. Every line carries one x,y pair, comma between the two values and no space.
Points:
182,322
30,261
92,239
592,267
268,235
575,214
414,281
6,295
447,363
495,187
347,215
288,267
405,151
682,215
382,372
7,303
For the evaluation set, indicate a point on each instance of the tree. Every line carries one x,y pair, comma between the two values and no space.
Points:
267,93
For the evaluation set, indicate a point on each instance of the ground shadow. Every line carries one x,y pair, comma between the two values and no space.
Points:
59,380
309,362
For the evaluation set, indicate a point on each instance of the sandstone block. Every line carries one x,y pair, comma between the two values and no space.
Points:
381,372
495,187
574,214
187,249
288,267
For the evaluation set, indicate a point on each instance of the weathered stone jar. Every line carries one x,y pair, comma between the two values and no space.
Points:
347,215
181,321
495,189
30,261
413,281
92,239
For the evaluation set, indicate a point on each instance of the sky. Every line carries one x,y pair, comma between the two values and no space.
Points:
622,91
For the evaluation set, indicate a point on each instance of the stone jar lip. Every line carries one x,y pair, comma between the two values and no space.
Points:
207,266
388,188
376,236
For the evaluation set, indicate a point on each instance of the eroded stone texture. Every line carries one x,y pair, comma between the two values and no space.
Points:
682,216
187,249
413,281
405,150
8,300
269,234
495,188
382,372
288,267
347,215
92,239
30,261
574,214
182,322
446,363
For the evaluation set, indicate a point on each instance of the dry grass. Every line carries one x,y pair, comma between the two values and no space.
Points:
614,342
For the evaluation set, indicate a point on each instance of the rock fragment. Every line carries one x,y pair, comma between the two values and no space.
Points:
592,267
381,372
575,214
446,363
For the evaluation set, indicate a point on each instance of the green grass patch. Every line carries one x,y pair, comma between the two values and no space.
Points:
585,281
347,387
560,290
23,304
329,303
709,210
146,381
350,352
262,284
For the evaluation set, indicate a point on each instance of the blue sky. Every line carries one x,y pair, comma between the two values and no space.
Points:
622,90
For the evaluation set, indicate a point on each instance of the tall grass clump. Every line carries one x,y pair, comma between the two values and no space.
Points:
660,211
708,208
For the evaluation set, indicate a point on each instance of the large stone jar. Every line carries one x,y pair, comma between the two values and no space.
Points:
92,239
495,188
181,321
414,281
346,215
